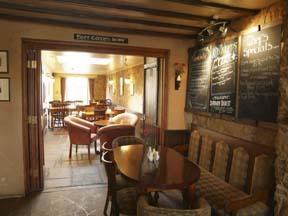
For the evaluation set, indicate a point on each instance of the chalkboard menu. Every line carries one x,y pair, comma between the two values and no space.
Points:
259,74
197,93
223,73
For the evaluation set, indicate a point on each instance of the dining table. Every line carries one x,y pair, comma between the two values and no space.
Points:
171,171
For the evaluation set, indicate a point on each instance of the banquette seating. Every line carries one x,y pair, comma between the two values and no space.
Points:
236,175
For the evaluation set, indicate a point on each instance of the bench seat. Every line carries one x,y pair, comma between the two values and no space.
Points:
219,193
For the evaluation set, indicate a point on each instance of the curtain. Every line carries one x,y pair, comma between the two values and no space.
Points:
63,88
77,89
91,89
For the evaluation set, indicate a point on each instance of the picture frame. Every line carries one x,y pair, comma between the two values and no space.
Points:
4,89
121,86
3,61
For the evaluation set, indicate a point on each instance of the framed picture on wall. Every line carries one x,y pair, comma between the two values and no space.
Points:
3,61
121,86
4,89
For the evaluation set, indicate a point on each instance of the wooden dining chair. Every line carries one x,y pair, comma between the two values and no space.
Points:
127,140
123,197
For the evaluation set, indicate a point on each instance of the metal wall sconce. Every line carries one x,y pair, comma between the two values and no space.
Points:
179,70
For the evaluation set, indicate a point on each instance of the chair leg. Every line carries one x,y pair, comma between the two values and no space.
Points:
95,145
89,152
70,150
106,204
76,149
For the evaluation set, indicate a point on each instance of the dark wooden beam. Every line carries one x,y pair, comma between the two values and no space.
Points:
80,25
127,7
216,5
96,16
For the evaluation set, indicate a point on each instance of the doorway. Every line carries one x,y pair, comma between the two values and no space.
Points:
32,110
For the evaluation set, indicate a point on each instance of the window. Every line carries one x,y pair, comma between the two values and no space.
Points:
77,88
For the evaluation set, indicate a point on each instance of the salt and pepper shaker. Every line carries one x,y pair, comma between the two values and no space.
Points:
153,155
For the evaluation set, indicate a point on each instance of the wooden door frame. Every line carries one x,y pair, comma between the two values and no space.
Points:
55,45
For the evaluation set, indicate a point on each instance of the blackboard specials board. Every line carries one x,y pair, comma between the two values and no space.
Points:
259,74
223,74
197,92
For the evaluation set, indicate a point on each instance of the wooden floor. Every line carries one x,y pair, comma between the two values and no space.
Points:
59,171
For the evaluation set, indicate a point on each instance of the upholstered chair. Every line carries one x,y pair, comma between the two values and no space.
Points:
83,122
108,133
239,168
222,151
205,159
194,144
126,140
145,209
79,134
126,118
123,198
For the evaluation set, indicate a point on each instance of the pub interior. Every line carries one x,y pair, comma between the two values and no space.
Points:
167,107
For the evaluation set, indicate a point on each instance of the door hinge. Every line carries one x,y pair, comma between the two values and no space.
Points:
31,64
32,120
34,173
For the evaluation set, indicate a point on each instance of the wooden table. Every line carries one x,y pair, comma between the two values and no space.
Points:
173,171
103,122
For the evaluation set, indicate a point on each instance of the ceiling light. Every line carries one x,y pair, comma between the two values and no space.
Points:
82,59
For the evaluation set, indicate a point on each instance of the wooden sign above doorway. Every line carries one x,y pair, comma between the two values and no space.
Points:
100,38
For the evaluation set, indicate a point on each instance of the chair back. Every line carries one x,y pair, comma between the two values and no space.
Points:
83,122
127,140
110,132
126,119
110,169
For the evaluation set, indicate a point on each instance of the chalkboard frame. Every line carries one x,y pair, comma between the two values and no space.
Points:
244,33
191,110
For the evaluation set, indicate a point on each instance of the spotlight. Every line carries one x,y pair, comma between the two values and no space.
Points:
210,32
200,38
223,29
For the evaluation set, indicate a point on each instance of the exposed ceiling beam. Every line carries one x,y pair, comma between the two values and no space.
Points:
89,15
97,27
201,3
127,7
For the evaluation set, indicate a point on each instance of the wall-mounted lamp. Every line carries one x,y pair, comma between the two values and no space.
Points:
179,70
130,82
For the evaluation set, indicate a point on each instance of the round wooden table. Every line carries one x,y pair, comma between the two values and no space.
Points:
103,123
172,171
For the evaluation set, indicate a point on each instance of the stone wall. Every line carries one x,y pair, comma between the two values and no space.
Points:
132,102
281,164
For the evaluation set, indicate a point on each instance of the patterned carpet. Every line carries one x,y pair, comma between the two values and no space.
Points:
59,171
